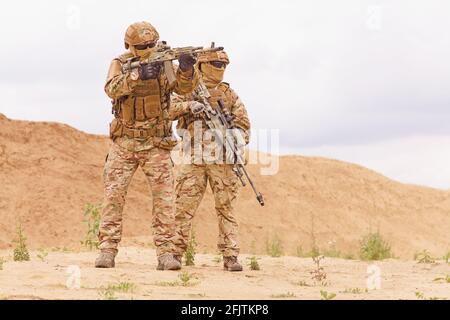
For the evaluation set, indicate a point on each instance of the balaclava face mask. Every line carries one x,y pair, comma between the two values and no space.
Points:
142,54
211,75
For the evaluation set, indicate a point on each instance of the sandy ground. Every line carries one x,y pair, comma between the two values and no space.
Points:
279,278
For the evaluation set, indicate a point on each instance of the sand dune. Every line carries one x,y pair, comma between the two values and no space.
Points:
49,171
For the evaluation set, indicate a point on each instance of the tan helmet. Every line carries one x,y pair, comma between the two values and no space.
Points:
214,56
140,32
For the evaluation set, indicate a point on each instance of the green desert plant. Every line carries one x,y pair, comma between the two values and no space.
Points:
21,252
123,287
109,292
253,263
2,261
424,257
302,283
327,295
185,277
374,247
189,255
92,217
42,254
314,252
274,247
355,290
446,257
421,296
445,279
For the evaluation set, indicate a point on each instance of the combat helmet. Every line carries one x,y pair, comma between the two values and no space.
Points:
213,56
139,33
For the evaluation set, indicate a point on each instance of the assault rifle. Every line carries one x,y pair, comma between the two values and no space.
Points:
219,120
165,55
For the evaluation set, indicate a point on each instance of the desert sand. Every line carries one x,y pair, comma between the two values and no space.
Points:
50,171
279,278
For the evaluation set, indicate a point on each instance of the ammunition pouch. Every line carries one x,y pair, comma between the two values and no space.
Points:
119,130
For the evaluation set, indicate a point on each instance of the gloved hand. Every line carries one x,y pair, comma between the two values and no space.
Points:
149,71
186,61
196,108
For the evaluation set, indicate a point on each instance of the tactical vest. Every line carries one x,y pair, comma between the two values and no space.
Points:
144,104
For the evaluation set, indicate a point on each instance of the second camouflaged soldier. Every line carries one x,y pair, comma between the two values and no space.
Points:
141,136
193,178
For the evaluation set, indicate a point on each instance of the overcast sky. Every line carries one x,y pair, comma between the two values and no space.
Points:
361,81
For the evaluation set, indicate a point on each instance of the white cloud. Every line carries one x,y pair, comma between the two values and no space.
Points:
318,71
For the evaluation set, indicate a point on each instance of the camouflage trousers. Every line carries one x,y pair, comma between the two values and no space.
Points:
118,172
190,188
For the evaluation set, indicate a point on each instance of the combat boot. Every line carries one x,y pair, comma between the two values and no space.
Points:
105,260
178,258
231,264
168,261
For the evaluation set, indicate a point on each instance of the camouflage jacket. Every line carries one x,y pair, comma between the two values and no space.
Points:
120,86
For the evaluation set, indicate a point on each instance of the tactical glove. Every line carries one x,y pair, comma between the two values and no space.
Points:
149,71
186,61
196,108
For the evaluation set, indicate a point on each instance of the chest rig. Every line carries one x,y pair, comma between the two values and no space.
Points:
143,104
140,114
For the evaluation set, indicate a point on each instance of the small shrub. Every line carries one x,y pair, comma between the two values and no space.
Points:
189,255
42,254
355,290
423,257
318,274
107,294
185,278
327,295
274,247
302,284
253,263
314,252
445,279
421,296
446,257
123,287
373,247
92,216
21,252
2,261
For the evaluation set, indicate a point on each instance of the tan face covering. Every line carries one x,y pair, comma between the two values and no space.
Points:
211,75
142,54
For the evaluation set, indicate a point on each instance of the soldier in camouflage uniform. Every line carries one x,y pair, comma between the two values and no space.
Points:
193,178
142,136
